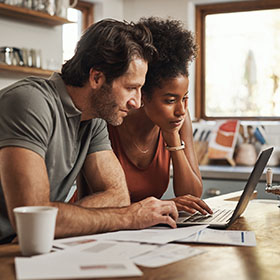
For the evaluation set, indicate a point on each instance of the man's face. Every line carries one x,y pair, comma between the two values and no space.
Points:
113,102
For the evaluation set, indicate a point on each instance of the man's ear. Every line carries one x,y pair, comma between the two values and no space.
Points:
96,79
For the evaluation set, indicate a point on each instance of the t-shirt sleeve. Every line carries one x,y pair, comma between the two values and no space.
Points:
100,139
25,119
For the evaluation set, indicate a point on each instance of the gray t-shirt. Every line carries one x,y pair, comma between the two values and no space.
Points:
39,115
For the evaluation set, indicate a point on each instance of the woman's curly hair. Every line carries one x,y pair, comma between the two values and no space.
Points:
176,48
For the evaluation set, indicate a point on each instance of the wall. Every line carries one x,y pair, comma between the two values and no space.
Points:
23,34
108,9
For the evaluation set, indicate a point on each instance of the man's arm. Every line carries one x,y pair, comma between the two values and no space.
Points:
25,182
101,182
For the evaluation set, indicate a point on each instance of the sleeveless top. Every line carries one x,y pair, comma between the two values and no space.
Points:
143,182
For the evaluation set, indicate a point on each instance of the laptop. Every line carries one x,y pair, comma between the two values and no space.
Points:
222,218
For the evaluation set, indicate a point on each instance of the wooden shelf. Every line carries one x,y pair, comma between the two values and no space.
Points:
20,13
25,70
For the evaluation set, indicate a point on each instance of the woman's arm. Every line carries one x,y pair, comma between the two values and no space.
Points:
187,182
186,175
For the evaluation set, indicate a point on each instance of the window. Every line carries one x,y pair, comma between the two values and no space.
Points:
82,17
238,66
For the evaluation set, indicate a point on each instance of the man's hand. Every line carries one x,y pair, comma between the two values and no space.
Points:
152,211
191,204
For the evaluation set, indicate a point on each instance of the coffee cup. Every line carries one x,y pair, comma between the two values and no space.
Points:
35,226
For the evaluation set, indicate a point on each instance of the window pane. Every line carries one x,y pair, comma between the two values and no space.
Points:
242,65
71,32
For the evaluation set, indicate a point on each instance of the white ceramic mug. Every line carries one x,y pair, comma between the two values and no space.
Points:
35,228
62,7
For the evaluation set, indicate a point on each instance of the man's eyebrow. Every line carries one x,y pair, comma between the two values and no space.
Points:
134,84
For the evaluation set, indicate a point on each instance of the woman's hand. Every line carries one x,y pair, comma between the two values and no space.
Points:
191,204
172,135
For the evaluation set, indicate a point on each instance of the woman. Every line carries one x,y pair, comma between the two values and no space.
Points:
161,129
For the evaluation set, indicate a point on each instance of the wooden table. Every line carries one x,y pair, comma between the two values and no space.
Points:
218,262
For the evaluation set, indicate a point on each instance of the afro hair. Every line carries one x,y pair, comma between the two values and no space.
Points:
176,47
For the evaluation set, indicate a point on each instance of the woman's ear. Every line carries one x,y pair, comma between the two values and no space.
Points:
96,79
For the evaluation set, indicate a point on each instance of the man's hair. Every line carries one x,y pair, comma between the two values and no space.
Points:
176,49
108,46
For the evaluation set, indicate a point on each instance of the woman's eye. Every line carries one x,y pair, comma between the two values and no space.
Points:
170,101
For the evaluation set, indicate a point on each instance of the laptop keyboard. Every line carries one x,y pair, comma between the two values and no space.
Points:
219,215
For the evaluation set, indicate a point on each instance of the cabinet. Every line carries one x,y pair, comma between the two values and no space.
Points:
27,15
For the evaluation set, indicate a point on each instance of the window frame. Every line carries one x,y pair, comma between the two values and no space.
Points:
201,11
87,10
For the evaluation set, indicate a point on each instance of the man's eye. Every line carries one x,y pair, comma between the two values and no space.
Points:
131,88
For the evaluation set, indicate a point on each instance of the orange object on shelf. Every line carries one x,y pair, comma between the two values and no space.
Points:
223,142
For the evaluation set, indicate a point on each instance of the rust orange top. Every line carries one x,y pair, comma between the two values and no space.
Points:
143,182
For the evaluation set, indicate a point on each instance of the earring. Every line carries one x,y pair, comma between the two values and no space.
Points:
142,104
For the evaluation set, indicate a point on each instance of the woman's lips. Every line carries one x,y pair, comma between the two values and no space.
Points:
177,122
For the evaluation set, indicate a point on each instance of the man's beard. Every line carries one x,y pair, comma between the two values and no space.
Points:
105,105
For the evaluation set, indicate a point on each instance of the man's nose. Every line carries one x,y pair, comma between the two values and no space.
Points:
135,101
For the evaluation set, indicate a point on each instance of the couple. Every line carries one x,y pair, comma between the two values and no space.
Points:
54,131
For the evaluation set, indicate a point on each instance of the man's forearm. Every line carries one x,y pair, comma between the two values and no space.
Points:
74,220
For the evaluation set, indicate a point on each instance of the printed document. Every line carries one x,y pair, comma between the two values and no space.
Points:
166,254
106,249
74,265
225,237
158,235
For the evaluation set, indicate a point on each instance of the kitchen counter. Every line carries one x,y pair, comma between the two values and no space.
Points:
222,179
234,172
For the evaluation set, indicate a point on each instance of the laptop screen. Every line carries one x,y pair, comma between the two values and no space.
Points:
252,182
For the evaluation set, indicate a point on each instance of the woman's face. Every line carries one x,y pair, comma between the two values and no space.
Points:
167,107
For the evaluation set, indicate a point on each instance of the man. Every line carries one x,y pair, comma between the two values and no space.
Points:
54,130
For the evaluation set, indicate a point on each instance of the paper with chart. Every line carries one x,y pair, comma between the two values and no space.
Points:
157,235
107,248
225,237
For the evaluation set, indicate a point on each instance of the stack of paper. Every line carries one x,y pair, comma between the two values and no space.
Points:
116,254
108,255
